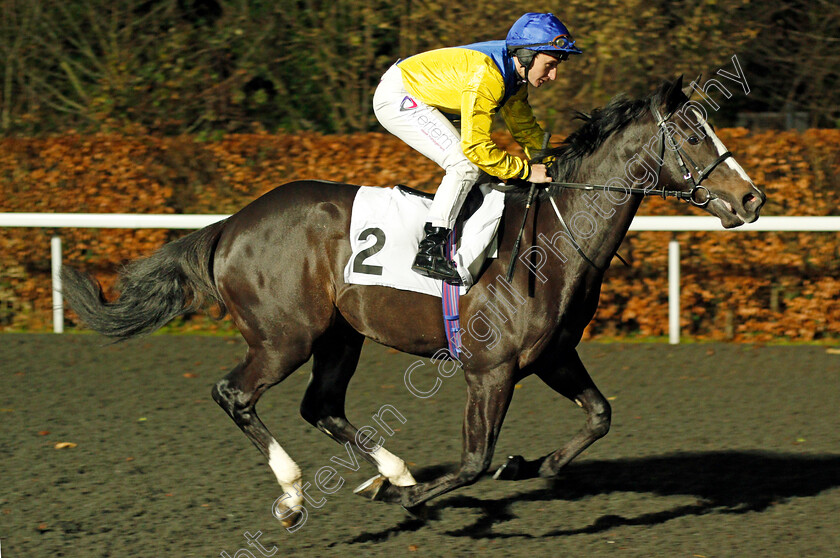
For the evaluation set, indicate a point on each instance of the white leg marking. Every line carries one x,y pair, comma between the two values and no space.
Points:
721,149
392,467
287,472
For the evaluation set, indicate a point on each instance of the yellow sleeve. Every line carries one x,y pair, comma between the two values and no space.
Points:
520,120
479,102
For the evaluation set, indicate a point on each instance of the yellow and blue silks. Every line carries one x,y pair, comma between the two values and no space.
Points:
472,83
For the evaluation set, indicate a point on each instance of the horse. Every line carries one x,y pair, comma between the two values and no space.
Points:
276,267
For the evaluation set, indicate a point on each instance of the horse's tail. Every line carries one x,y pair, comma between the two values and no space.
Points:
176,279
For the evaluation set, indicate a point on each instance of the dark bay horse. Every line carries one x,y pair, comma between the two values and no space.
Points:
277,267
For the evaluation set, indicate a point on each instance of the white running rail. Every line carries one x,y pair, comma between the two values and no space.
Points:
163,221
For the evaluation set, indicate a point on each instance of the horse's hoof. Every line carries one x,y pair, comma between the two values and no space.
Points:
510,469
288,518
420,511
292,520
373,488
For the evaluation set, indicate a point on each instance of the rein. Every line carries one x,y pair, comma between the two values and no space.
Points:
679,194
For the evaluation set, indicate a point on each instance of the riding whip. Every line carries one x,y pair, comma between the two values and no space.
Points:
531,193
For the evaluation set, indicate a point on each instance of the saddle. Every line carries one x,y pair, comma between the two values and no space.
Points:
387,225
471,204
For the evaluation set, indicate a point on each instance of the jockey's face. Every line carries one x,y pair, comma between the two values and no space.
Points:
544,69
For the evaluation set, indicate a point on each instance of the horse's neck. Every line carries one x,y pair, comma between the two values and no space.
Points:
609,213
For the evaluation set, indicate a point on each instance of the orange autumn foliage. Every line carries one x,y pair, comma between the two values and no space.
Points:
742,286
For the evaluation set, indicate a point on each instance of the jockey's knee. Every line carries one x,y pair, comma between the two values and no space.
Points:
464,171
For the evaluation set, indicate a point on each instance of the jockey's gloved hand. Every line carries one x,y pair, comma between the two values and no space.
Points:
539,174
545,157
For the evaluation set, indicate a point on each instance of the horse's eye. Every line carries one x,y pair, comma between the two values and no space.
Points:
693,140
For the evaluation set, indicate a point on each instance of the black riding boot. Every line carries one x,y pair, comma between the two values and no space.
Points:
431,258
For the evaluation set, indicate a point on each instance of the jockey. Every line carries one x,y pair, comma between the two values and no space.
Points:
419,97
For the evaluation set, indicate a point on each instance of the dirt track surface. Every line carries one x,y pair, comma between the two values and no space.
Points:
715,450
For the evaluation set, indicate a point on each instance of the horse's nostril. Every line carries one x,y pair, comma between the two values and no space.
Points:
749,201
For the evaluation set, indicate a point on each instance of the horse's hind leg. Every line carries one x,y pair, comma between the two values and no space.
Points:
571,380
335,357
238,393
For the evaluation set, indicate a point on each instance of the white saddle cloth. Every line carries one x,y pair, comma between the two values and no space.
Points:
387,225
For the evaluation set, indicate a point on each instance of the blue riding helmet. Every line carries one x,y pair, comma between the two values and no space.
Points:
541,33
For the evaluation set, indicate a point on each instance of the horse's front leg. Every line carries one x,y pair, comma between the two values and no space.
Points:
568,377
488,398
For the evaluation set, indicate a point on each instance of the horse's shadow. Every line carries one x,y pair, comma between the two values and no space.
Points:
726,482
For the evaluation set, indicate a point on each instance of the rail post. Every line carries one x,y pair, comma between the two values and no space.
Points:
674,292
57,299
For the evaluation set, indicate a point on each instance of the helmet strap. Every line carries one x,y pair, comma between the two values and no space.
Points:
526,58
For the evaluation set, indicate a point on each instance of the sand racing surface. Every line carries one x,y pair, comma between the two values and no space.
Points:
715,450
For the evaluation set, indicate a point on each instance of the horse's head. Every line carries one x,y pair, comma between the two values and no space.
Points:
695,160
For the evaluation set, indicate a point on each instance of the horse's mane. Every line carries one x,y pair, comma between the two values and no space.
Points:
599,125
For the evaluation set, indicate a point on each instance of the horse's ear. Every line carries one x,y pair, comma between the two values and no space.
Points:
674,96
688,90
676,85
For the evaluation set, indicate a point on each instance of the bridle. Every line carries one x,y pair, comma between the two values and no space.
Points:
682,156
695,179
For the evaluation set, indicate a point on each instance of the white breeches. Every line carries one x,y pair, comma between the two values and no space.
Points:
428,131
